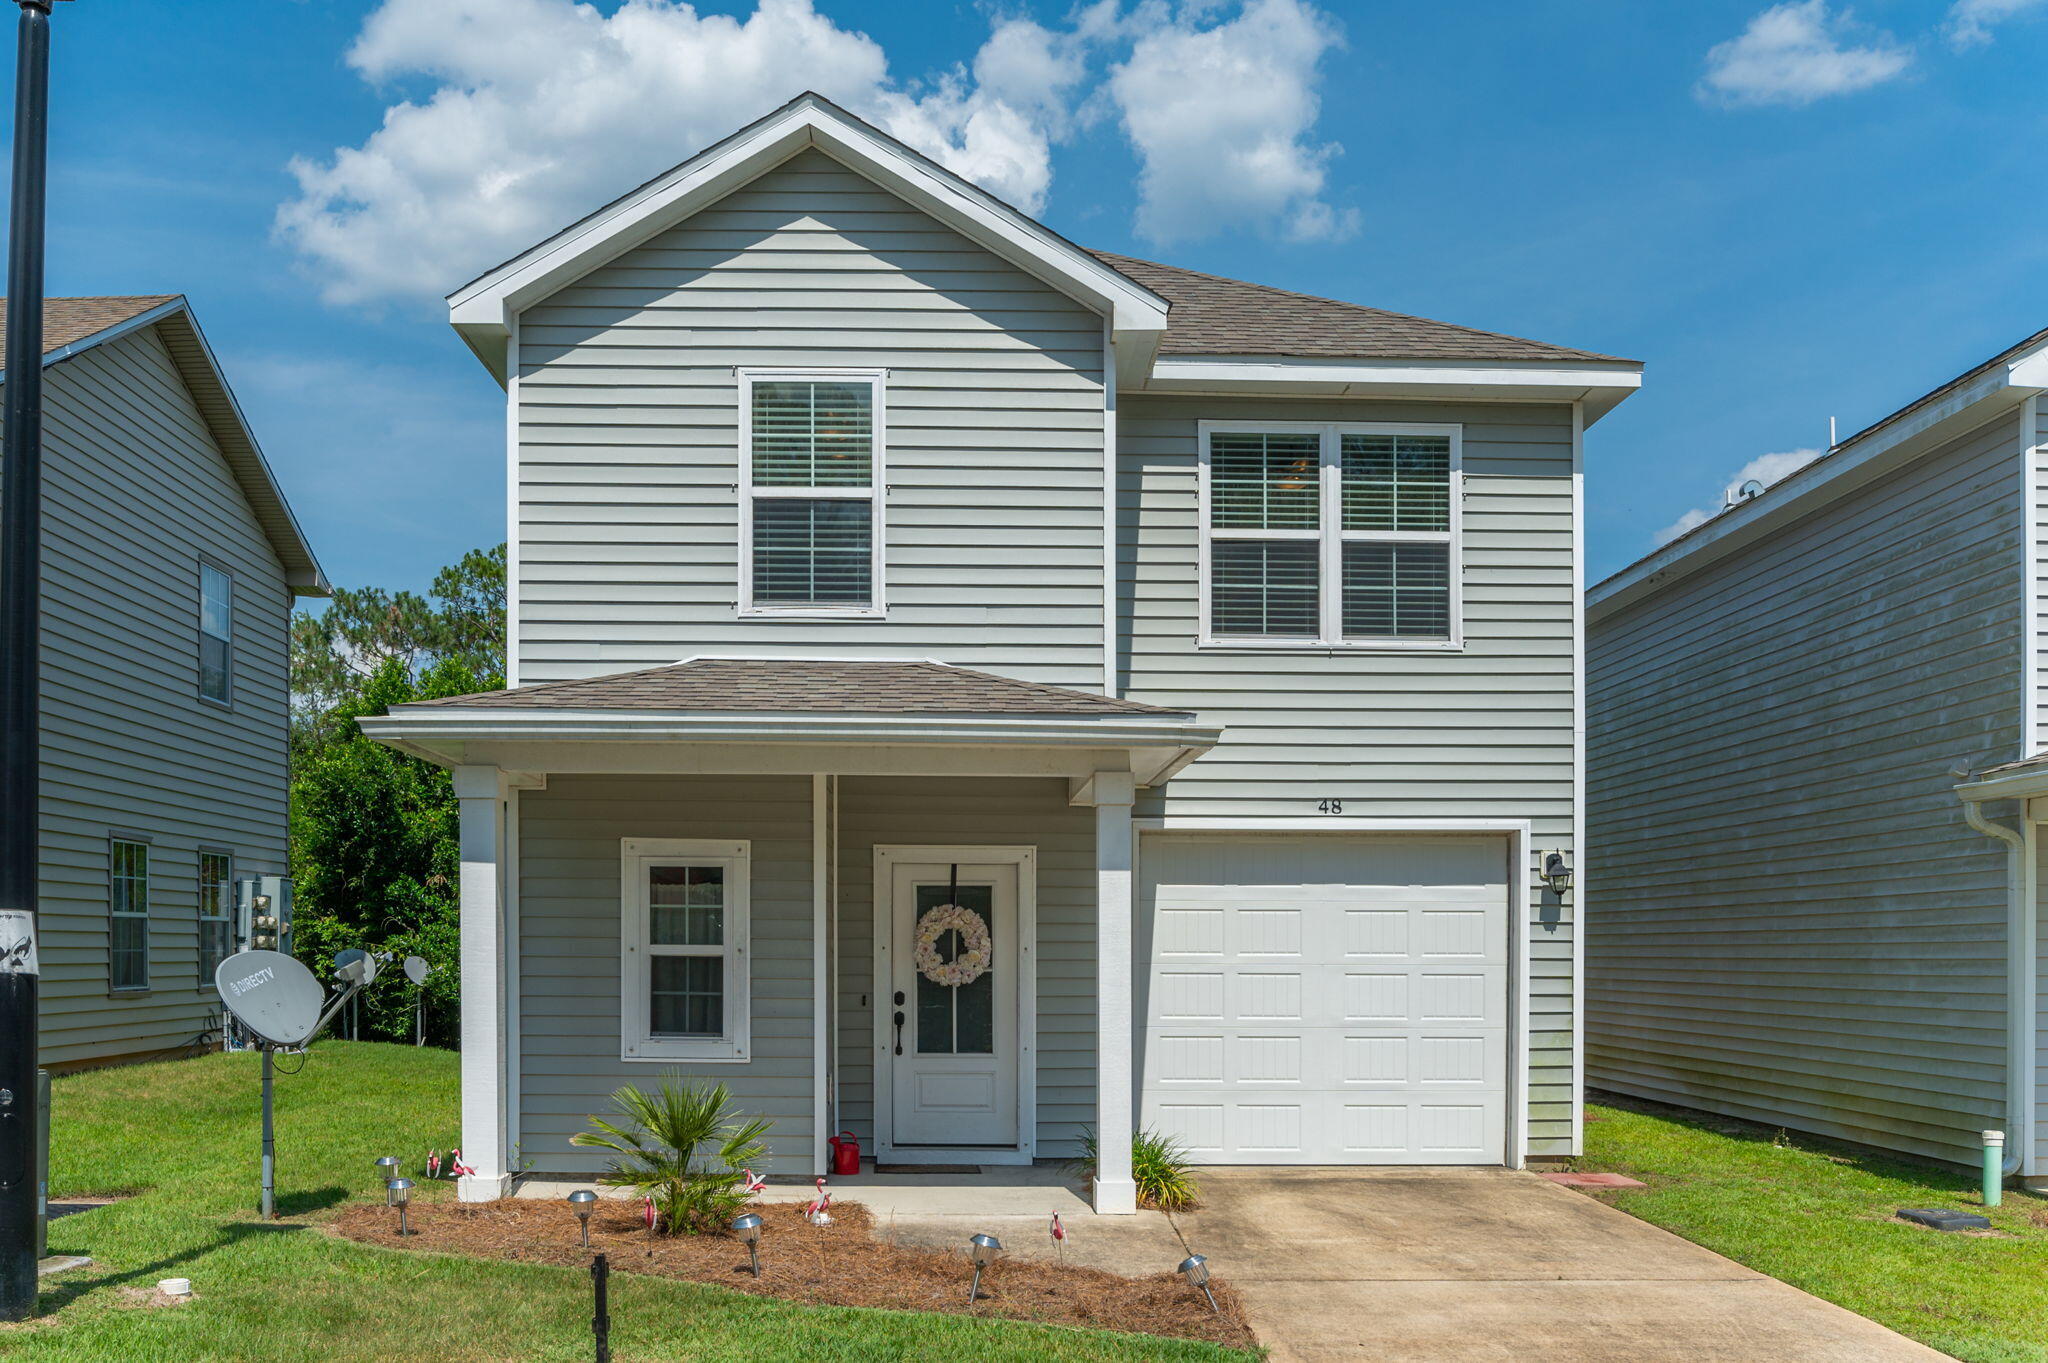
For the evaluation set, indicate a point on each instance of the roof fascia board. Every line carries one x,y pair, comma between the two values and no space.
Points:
307,579
449,722
1600,387
1987,398
479,311
2018,785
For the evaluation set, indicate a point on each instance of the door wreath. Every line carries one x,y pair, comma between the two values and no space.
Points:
970,963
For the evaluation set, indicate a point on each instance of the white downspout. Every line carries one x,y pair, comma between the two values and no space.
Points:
2019,1057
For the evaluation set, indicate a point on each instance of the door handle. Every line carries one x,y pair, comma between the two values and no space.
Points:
899,1032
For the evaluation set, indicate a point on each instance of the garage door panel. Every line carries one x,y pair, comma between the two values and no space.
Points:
1360,1018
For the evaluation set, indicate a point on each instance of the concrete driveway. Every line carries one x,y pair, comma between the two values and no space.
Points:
1403,1266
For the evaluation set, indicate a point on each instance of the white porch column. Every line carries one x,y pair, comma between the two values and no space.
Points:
480,794
1112,793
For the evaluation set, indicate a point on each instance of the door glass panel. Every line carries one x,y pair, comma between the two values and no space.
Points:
958,1019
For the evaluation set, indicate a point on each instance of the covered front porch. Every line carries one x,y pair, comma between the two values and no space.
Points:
656,879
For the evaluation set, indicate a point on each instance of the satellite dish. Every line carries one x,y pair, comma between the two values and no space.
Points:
353,965
272,995
417,969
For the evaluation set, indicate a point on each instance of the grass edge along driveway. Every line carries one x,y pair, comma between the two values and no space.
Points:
1820,1215
182,1136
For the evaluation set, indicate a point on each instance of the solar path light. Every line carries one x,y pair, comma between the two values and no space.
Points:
387,1168
398,1193
983,1249
1196,1270
584,1201
748,1229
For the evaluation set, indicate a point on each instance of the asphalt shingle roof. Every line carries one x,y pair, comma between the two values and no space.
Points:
69,320
807,686
1210,315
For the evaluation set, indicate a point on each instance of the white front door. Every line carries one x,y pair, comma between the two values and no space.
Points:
953,1046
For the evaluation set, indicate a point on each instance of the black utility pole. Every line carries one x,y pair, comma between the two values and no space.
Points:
21,548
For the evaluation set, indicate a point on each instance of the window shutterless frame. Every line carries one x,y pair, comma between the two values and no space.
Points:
216,634
874,493
216,910
637,1040
1330,536
127,915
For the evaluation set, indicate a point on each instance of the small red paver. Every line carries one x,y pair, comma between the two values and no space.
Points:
1595,1180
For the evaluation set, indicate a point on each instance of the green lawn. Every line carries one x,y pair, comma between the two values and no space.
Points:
183,1136
1821,1216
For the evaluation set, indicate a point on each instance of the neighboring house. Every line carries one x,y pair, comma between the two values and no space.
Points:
170,562
875,549
1795,917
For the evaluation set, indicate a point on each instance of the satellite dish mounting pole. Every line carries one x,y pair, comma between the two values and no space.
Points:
269,1138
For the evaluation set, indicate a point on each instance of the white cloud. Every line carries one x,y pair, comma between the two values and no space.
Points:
1970,21
1765,468
1797,53
547,108
1222,117
538,111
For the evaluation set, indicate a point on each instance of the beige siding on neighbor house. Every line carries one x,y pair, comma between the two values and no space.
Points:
994,445
1484,733
1789,919
136,492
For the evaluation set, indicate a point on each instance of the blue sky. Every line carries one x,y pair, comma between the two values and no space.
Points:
1789,213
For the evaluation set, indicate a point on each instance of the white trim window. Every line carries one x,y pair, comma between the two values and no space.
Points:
811,484
1331,535
127,915
216,634
683,986
216,912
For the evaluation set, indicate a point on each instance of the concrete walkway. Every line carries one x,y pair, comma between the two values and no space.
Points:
1408,1266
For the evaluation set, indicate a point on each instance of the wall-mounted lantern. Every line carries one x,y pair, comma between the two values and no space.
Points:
1557,873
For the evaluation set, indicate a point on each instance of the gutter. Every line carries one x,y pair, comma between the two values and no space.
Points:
2019,1003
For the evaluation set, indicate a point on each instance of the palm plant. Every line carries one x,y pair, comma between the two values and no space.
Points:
657,1146
1159,1166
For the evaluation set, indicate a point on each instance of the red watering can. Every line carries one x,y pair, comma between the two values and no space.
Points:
845,1154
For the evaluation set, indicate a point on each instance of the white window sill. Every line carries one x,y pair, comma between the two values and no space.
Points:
1330,646
810,613
706,1052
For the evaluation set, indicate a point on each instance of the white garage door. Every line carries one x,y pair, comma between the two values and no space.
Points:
1326,998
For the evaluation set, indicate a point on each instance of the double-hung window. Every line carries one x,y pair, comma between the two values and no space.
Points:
1330,535
127,914
216,912
216,634
811,447
684,950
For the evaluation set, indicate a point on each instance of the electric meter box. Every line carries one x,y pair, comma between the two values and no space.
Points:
263,914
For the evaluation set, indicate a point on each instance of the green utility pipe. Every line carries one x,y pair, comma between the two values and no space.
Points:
1994,1167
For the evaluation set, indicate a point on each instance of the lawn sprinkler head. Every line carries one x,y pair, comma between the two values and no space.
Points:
983,1249
584,1202
748,1229
1196,1270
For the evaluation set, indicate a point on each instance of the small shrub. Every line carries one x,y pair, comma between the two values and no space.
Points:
1159,1166
657,1147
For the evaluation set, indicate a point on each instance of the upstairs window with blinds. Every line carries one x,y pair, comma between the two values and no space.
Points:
1330,536
811,493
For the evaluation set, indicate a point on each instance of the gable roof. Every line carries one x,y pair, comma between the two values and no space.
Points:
806,686
1211,315
72,326
481,309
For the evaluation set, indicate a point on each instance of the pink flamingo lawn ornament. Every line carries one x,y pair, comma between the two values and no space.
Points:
754,1182
648,1216
433,1164
818,1212
1059,1238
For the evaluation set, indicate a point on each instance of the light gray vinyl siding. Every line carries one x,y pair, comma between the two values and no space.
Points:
969,812
2037,480
1789,919
136,492
568,943
627,411
1483,733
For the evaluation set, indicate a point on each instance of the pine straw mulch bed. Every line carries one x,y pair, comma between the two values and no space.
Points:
843,1264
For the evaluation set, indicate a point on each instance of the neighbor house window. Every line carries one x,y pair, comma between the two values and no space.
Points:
216,912
127,914
684,950
1330,535
811,492
216,633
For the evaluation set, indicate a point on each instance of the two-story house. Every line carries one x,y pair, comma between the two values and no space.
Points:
170,565
968,690
1819,780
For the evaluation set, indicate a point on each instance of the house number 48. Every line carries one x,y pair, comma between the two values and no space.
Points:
1330,807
